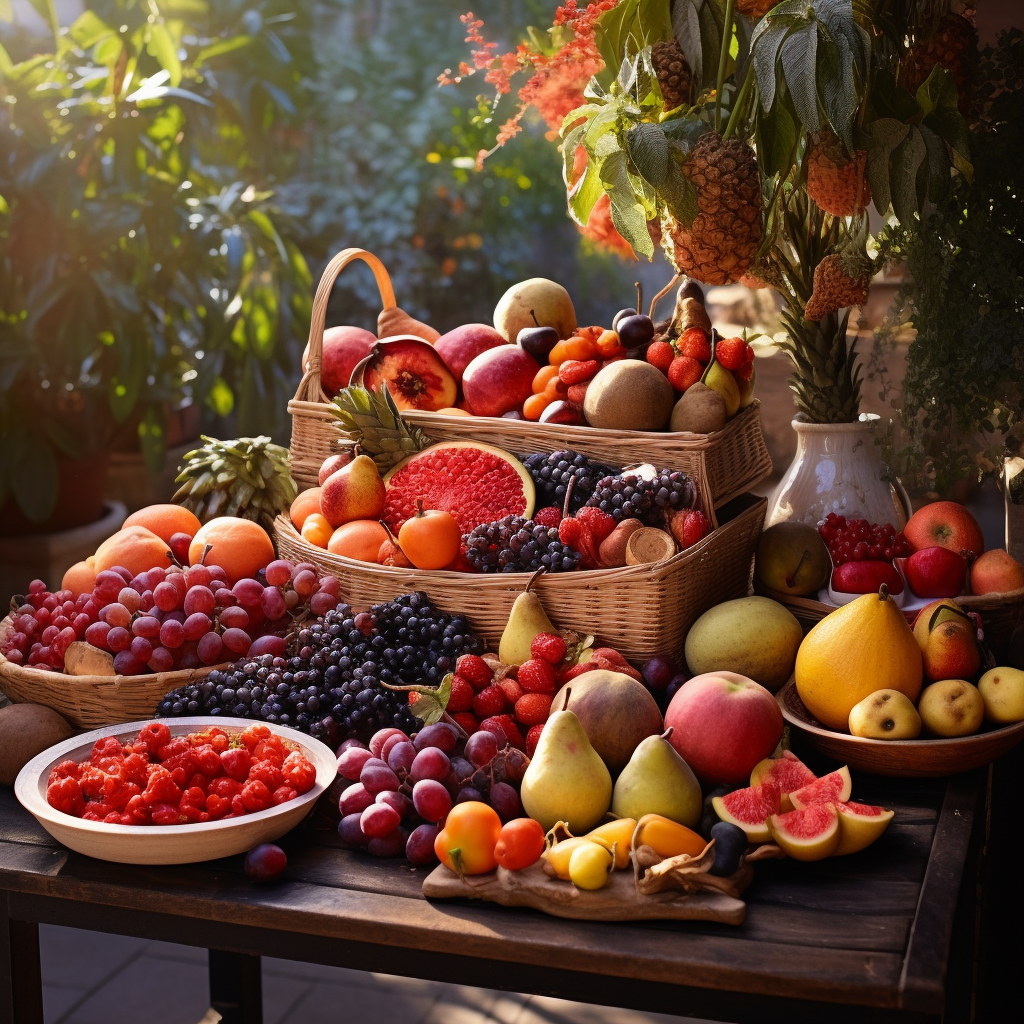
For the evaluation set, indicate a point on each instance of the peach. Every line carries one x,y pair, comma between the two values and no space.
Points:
135,548
951,651
305,504
460,347
945,524
996,572
415,374
344,347
499,380
165,520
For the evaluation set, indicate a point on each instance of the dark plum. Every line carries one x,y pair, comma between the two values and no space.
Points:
635,330
658,672
622,315
730,843
265,862
505,800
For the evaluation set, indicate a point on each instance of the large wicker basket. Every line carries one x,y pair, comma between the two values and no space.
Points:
727,462
91,701
640,610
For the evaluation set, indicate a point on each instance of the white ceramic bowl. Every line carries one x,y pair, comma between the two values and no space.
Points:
169,844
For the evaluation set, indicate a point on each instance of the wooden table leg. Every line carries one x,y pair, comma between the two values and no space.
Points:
236,988
21,980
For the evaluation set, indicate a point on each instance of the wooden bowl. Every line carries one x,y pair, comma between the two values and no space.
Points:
918,759
170,844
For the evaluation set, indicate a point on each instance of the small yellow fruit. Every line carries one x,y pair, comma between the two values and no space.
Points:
951,707
615,835
668,838
1002,690
558,855
590,866
885,715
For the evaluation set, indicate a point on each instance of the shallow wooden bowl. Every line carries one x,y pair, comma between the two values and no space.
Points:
170,844
919,759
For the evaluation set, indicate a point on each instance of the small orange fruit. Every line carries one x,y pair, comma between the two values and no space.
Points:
317,530
305,504
392,555
361,539
165,520
80,578
430,539
135,548
240,546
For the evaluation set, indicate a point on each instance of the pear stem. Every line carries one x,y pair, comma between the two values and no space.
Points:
668,732
535,320
529,582
792,576
565,703
883,593
568,496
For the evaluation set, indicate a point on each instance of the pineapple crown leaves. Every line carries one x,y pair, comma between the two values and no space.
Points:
372,420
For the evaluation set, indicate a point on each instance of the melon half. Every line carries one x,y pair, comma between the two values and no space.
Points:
476,483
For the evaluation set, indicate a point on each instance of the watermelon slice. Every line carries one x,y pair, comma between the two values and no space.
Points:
477,483
833,788
811,833
788,771
859,826
750,808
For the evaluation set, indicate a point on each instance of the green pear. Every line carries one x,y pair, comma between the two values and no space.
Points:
536,302
719,379
526,619
566,780
658,781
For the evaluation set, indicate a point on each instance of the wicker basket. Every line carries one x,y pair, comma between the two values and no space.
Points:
91,701
639,610
727,462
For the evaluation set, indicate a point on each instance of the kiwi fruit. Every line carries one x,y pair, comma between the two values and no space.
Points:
629,395
27,730
701,410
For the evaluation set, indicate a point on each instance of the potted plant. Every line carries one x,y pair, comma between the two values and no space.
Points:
751,137
141,265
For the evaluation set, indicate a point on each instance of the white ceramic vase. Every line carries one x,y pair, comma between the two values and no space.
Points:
837,468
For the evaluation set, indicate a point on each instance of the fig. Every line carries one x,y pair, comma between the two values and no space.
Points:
415,374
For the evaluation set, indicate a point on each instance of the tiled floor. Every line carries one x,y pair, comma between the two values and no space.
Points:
94,978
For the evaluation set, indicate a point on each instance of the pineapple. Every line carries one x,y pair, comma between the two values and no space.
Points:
371,420
719,246
755,8
836,182
674,76
951,44
840,280
249,477
826,384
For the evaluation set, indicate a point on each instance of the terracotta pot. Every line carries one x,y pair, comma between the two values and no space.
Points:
837,468
79,499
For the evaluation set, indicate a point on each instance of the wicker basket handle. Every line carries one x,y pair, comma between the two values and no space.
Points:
309,387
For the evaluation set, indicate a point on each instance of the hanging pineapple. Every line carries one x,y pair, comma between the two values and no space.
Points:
673,73
840,280
837,183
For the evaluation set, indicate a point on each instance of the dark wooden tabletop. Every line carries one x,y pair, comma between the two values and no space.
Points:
864,937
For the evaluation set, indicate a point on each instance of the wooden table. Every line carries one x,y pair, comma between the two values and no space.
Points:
861,938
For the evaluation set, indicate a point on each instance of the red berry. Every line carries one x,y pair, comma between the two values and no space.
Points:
694,526
461,698
470,723
548,646
533,708
532,737
475,670
536,676
548,517
684,372
512,690
576,371
695,344
734,353
577,393
599,523
660,354
491,700
504,726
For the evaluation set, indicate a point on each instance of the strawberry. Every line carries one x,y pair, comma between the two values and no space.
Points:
474,670
549,517
578,535
577,393
689,527
531,739
491,700
576,371
461,698
573,671
734,353
600,523
549,647
470,723
684,372
512,690
660,354
533,708
695,344
504,727
536,676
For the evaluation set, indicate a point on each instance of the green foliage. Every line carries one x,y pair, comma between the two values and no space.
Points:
142,262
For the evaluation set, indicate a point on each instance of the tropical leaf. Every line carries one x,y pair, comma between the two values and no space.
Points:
649,150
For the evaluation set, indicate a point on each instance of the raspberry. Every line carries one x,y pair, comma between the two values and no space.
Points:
474,670
548,517
536,676
504,726
695,344
491,700
599,523
734,353
461,698
684,372
570,530
577,393
660,354
548,647
576,371
531,739
470,723
512,690
533,708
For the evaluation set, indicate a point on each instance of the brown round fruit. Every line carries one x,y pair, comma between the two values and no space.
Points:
27,730
629,395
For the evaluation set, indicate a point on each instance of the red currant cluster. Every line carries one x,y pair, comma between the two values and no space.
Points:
857,540
162,780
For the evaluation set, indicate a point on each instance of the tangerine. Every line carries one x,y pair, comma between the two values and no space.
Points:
317,530
135,548
240,546
361,539
305,504
430,539
165,520
80,578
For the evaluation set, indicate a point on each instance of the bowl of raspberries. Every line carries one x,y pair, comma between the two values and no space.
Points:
175,791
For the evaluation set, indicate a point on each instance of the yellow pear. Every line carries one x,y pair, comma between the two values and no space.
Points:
951,707
885,715
719,379
1002,689
526,619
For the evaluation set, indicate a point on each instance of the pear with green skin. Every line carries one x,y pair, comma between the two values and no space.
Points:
526,619
658,781
719,379
566,780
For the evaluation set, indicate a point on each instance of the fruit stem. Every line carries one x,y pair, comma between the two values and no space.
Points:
668,732
535,320
727,34
639,296
792,576
664,291
883,593
529,582
565,703
419,508
568,496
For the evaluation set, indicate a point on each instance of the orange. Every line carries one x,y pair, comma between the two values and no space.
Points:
361,539
80,578
134,548
317,530
430,539
305,504
240,546
165,520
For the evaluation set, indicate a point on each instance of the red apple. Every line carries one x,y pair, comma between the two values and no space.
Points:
996,572
866,577
944,524
460,347
935,572
562,412
722,725
343,348
333,463
499,380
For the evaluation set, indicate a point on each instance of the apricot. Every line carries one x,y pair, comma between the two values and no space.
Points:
361,539
240,546
80,578
317,530
165,520
996,572
305,504
135,548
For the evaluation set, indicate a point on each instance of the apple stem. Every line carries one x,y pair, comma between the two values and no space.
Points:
535,320
792,576
668,732
639,297
565,703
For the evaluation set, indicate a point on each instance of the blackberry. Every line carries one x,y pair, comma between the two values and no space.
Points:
515,544
644,493
551,475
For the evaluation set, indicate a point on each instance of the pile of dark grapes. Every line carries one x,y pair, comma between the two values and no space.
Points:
551,475
645,494
331,685
515,544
